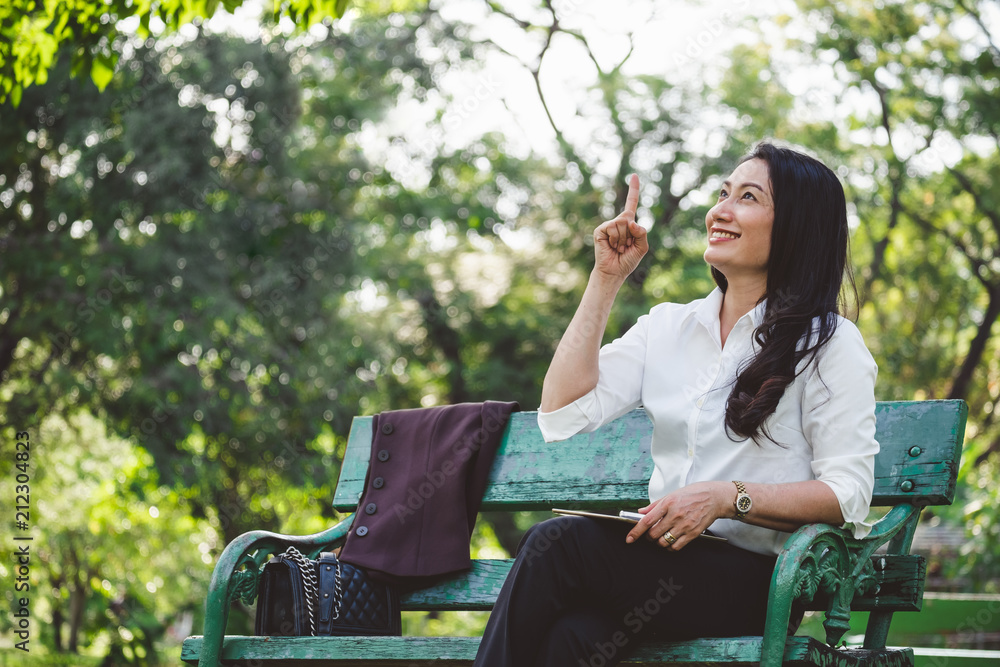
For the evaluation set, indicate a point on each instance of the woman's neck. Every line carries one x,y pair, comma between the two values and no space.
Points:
738,300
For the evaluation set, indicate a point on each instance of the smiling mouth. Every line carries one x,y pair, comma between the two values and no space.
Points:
717,234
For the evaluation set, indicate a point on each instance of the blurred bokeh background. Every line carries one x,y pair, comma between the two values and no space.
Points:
222,239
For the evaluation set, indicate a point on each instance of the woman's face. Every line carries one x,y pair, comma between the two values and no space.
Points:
739,225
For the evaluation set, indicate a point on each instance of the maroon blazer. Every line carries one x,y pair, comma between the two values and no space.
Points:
428,471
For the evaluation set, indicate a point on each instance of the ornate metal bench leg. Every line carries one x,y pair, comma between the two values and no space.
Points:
838,616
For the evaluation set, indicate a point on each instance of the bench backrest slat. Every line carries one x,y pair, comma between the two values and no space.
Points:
920,443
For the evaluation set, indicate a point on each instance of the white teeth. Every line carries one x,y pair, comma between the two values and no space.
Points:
724,235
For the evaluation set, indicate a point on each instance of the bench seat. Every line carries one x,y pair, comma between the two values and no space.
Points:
898,582
454,651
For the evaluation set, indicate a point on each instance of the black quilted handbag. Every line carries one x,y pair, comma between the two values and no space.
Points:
302,597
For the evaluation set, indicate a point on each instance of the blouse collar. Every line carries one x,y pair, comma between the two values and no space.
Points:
707,312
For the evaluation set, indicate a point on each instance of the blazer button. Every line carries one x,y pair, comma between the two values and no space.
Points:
378,482
361,531
387,428
370,508
383,455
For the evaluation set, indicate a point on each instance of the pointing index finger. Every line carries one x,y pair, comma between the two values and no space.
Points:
632,199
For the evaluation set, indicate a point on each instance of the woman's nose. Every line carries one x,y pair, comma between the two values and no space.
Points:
720,211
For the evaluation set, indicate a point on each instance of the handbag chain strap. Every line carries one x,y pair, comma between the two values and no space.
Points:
338,594
310,586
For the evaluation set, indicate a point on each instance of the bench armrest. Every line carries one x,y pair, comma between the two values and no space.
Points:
236,575
823,559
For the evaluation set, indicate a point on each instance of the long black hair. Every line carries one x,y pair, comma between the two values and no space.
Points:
806,269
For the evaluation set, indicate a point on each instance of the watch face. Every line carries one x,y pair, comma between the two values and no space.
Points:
743,503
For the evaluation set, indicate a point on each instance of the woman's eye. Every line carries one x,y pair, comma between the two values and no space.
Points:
723,194
749,195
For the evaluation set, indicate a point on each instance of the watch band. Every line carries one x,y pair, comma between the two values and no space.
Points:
743,502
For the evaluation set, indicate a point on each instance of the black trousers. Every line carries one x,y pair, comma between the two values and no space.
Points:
579,596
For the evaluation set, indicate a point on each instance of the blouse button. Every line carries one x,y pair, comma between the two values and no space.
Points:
361,531
378,482
383,455
387,428
370,508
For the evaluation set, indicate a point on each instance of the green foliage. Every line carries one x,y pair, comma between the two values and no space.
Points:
36,659
215,259
121,550
35,33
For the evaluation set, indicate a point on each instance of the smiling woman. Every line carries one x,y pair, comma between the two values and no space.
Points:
762,400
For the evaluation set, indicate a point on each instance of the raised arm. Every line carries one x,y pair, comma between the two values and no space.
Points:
619,244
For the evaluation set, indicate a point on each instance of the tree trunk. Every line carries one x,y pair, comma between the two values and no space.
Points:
960,385
448,341
874,268
77,581
57,621
507,532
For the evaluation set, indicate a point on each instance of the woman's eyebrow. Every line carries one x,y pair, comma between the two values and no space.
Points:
744,185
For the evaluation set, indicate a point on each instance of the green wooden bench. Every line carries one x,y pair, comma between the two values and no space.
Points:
821,568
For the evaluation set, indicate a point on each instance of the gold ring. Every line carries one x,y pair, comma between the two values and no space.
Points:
669,538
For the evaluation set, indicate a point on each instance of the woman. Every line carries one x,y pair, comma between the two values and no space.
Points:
762,403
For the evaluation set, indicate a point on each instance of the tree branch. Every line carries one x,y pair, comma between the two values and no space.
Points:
495,7
963,378
883,98
977,264
969,186
895,206
977,17
9,341
960,385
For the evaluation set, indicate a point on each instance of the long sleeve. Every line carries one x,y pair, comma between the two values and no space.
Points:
838,420
618,389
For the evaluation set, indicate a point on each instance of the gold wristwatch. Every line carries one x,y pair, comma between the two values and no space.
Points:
743,501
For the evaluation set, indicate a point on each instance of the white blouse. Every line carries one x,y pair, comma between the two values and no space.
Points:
673,364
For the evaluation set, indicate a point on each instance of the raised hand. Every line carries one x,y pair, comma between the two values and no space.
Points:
620,243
